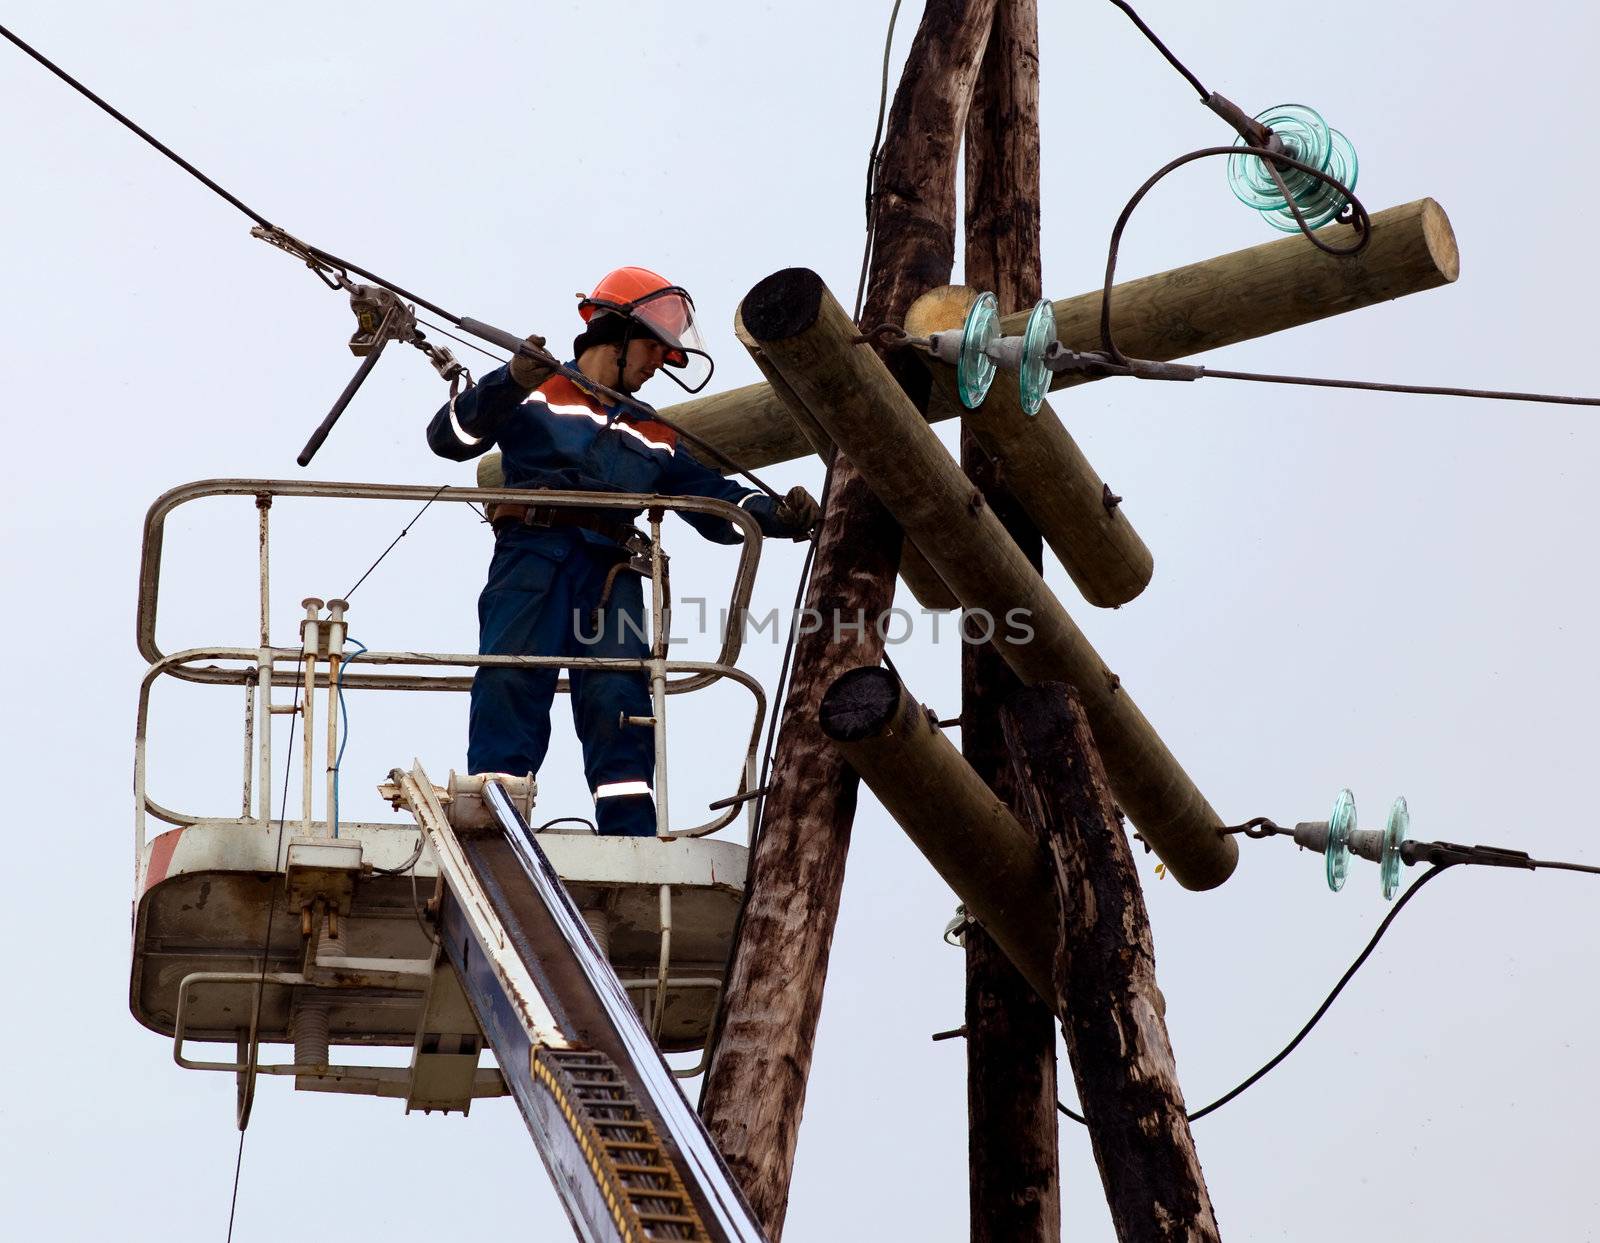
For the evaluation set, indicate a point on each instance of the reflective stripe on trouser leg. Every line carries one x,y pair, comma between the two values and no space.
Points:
625,809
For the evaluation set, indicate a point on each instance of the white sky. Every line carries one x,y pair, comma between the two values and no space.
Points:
1386,593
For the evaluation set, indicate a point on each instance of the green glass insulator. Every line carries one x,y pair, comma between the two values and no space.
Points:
975,371
1336,855
1394,833
1034,377
1307,138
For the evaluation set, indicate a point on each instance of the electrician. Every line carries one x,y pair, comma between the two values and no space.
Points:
554,588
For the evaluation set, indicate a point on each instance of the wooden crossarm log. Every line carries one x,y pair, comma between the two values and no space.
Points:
992,861
1235,297
808,337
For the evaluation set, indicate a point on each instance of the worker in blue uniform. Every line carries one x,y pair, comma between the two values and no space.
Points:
554,586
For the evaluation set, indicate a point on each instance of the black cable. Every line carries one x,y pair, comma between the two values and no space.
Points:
1434,390
1567,867
335,261
589,824
872,163
142,133
243,1119
1162,48
780,690
1362,221
233,1204
395,541
1338,988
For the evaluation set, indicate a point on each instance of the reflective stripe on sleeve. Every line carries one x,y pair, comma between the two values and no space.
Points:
595,416
461,433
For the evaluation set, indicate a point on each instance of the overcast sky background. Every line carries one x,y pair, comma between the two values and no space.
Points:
1390,593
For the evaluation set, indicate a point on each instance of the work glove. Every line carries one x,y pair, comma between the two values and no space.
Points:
527,372
797,513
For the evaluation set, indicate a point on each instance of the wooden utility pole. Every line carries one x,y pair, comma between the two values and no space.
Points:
755,1087
1115,1021
1013,1147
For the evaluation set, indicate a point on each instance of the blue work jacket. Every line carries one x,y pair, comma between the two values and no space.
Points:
564,436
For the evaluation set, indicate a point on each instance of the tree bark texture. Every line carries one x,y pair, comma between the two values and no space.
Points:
1115,1026
1013,1145
755,1088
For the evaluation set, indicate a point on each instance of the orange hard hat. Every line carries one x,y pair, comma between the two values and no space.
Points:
657,308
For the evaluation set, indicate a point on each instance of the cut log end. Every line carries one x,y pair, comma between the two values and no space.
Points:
860,704
1441,240
783,305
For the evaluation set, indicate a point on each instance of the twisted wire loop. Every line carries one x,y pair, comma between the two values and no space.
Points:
1359,218
883,337
1257,827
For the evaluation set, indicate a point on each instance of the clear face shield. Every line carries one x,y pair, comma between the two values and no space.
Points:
668,315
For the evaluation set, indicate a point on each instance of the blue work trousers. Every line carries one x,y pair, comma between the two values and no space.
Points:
544,587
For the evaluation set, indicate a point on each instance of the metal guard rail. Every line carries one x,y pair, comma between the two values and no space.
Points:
258,669
259,489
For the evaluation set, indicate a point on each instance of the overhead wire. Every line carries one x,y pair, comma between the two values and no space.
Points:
288,242
872,160
1349,974
1321,1010
1162,48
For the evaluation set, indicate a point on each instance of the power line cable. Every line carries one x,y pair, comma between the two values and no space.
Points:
319,259
1162,48
1361,958
141,132
1328,1001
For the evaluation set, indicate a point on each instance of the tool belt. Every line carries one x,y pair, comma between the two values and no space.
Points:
506,517
632,558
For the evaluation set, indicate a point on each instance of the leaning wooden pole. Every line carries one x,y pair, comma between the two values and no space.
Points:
755,1088
1115,1023
1013,1144
809,338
